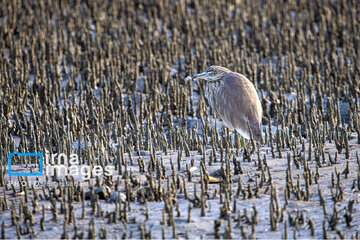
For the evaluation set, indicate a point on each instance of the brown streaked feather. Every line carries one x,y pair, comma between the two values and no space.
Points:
236,101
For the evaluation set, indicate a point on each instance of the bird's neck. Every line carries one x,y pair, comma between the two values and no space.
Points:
211,90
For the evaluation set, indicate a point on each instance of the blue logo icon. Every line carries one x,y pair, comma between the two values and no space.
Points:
16,153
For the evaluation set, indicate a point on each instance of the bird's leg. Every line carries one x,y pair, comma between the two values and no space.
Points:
247,155
253,146
251,140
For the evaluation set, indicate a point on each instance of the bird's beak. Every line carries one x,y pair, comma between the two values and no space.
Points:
198,76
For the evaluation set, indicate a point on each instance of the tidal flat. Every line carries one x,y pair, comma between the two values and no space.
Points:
105,81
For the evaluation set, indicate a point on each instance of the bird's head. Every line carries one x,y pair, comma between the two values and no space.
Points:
213,73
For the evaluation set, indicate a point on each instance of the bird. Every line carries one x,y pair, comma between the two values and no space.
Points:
234,98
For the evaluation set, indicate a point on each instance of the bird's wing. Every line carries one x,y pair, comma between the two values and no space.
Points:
237,102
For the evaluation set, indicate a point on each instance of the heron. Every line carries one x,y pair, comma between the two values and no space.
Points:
234,98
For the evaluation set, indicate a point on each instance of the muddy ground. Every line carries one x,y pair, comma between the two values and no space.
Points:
105,80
